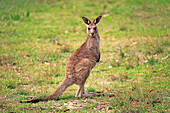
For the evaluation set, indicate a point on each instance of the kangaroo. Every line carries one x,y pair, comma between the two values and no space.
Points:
80,63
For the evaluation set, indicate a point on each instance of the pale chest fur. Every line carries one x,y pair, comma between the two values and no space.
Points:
94,45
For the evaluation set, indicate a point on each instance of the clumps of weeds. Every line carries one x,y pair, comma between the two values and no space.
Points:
22,92
53,82
113,77
121,76
142,99
122,53
115,63
58,75
151,60
19,15
123,27
10,84
158,50
66,49
8,61
91,90
146,51
16,16
129,61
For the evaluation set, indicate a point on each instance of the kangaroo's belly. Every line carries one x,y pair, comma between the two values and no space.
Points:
80,71
84,64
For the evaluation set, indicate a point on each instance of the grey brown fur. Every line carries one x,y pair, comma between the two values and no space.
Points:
80,63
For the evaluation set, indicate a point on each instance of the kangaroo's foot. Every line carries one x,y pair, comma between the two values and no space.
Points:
90,94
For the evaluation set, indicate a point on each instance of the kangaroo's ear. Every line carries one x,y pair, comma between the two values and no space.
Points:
95,21
86,20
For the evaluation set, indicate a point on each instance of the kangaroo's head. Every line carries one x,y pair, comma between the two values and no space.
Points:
91,26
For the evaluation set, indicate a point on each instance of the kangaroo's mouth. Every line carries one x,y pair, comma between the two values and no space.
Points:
92,34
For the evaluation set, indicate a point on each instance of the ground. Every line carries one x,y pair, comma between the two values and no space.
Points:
37,38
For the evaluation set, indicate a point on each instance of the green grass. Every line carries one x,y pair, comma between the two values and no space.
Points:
37,38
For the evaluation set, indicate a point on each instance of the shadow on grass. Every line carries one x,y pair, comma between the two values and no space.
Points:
68,97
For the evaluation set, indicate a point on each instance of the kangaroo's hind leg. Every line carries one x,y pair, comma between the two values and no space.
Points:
80,91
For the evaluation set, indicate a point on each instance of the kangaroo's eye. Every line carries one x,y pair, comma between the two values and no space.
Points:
88,28
95,28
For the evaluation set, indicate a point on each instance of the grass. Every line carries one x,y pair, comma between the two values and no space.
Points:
37,38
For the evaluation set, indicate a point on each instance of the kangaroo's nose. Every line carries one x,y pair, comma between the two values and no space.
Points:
92,34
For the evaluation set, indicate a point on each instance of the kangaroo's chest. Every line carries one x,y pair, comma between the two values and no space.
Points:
94,46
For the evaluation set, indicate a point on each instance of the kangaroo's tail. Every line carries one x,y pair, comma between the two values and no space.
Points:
60,89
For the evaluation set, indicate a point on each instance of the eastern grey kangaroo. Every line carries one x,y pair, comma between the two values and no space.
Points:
80,63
